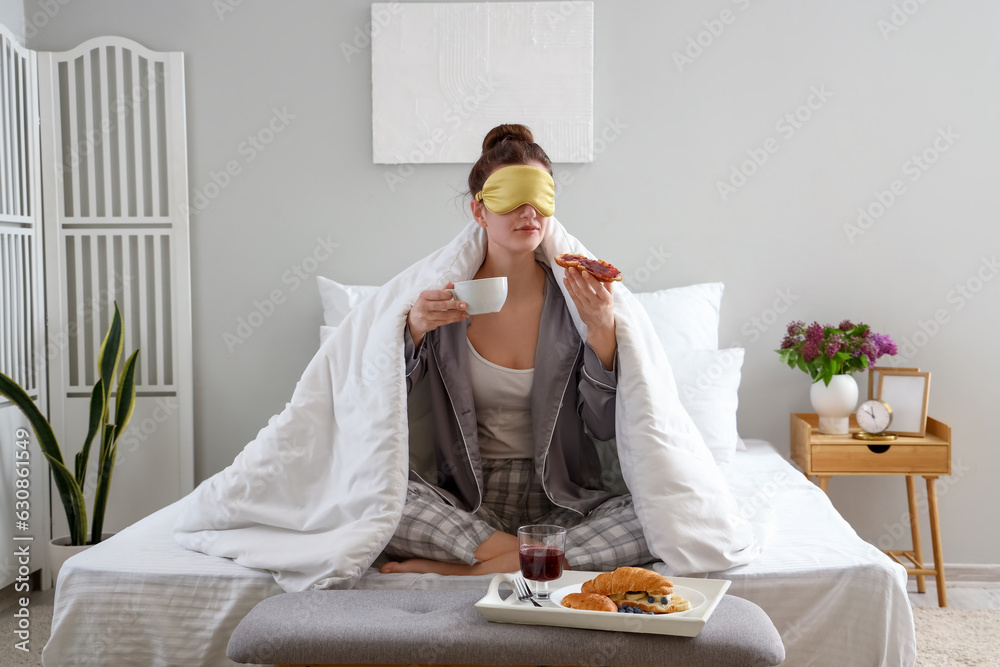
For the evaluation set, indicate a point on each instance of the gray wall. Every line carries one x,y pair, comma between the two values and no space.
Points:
779,242
12,17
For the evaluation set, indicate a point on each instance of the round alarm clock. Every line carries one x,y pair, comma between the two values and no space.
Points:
874,417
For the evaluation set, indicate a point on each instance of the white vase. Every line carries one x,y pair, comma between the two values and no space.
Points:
835,403
60,550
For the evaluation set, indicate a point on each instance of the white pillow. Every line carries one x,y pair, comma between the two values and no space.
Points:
338,300
325,332
708,382
685,318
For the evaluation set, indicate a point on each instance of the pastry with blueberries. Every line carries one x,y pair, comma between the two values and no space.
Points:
637,590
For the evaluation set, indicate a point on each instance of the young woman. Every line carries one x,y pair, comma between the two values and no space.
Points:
516,395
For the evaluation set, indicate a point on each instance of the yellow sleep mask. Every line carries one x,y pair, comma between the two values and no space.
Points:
514,185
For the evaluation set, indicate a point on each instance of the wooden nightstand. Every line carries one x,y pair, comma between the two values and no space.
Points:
930,457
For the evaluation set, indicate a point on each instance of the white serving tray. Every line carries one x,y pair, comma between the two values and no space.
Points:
688,624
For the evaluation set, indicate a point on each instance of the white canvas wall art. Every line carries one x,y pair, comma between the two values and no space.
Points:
444,74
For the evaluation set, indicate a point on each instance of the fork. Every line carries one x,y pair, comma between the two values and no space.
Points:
522,591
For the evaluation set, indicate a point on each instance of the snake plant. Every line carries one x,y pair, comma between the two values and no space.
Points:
105,427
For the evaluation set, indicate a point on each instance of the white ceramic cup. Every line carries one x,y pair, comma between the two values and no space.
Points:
486,295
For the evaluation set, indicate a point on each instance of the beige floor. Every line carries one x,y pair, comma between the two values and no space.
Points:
961,595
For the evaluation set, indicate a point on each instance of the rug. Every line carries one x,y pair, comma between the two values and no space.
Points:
40,615
957,636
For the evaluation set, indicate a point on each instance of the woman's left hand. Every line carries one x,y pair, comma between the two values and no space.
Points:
594,302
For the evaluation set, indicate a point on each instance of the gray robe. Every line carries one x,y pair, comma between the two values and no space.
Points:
572,403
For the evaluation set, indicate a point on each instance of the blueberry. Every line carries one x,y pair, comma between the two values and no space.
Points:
663,600
621,609
650,599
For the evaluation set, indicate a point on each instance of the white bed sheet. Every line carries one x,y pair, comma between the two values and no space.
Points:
141,599
834,598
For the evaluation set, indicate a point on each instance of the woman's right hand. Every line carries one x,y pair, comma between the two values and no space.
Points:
434,308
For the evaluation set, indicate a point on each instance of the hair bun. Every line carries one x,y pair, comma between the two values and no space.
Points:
506,145
502,133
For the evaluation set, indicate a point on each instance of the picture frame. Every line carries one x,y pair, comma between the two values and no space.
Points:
873,375
907,394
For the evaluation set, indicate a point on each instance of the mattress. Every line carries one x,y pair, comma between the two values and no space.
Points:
141,599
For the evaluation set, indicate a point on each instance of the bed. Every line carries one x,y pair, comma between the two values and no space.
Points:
142,599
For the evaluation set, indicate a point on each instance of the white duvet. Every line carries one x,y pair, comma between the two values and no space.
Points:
317,495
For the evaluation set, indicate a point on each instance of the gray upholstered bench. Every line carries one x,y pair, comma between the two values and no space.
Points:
443,628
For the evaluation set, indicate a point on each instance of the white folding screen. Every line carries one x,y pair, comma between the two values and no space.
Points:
22,305
116,228
21,313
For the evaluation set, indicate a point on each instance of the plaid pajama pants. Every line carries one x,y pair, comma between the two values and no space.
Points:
609,537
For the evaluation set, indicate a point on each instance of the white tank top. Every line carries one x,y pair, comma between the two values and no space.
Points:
503,408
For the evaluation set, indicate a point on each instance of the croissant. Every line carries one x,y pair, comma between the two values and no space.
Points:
626,579
589,601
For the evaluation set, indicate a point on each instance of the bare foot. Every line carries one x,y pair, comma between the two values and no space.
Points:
507,562
418,565
424,566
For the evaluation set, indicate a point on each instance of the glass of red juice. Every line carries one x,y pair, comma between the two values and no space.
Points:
542,549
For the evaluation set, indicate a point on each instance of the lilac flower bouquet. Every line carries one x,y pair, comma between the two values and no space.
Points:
825,351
